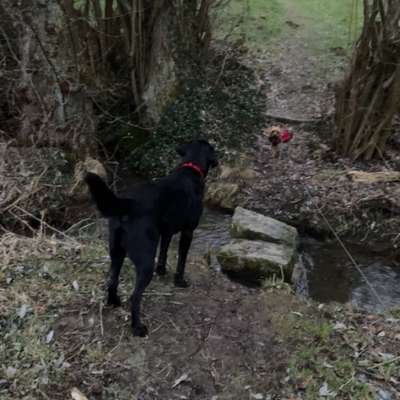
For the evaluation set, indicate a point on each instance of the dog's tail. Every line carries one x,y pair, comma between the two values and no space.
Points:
106,201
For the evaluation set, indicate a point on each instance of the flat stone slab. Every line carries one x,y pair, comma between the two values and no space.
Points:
247,224
224,195
258,257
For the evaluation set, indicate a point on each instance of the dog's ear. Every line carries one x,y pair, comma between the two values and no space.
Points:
182,149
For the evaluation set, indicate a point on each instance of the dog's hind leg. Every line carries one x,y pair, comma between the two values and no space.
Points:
184,245
162,257
142,248
144,274
117,255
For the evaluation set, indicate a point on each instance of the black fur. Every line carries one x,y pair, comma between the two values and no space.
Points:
149,213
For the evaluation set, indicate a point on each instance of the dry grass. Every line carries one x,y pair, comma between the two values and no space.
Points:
31,184
41,189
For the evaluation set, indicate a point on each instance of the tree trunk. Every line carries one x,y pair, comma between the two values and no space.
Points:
161,80
53,109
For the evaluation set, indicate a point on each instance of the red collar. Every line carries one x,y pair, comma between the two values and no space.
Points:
194,167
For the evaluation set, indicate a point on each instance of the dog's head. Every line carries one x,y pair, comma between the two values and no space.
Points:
200,152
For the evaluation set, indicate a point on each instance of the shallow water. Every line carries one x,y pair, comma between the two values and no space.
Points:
331,276
212,232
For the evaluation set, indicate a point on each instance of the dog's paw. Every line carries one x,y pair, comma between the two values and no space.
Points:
114,301
140,330
180,282
161,270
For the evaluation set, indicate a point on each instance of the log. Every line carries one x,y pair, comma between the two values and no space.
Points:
374,177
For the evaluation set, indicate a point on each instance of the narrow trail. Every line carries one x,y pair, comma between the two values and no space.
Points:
306,92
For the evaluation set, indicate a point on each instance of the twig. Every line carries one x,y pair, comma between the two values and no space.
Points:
157,294
48,226
387,362
222,69
173,324
78,223
345,384
101,318
158,328
119,343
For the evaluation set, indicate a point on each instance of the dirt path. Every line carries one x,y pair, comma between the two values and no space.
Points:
298,71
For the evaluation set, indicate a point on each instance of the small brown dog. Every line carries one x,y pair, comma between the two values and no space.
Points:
277,135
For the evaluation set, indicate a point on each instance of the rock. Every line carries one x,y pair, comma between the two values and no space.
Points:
247,224
384,395
79,188
257,257
223,195
234,173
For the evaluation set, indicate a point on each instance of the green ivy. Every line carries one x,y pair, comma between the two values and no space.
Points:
222,106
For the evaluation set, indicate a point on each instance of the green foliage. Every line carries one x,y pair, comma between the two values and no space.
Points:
224,107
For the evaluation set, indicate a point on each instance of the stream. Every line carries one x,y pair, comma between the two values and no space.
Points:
330,275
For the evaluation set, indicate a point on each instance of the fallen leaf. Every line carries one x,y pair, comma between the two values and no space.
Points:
181,379
22,311
50,336
76,394
299,314
75,285
339,326
11,372
325,392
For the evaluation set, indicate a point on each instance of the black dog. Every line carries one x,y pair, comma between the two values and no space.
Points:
172,204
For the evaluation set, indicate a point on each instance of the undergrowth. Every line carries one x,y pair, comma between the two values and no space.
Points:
221,103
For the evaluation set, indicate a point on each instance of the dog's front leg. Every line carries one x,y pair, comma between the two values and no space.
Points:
184,245
162,257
